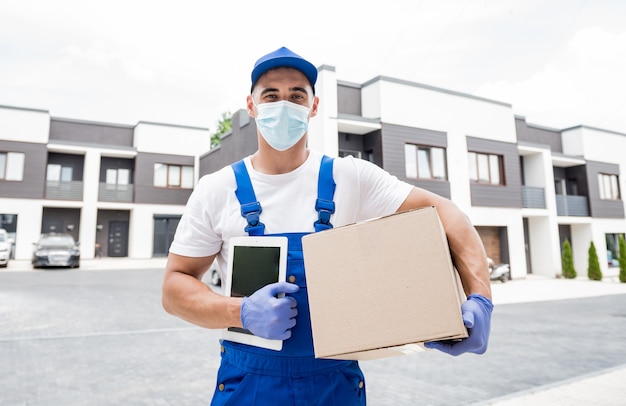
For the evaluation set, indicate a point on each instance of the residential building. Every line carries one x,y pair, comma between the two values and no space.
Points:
525,187
119,190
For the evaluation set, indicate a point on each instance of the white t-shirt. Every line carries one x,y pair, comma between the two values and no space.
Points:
213,213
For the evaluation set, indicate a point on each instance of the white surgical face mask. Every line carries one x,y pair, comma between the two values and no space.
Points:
282,123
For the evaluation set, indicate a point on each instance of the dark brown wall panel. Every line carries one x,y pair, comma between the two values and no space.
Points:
349,100
599,207
394,137
33,184
91,133
145,192
538,135
508,195
241,142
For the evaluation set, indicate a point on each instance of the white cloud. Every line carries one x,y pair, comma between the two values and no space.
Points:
581,85
188,62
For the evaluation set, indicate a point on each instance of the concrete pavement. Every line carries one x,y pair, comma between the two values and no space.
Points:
603,388
95,264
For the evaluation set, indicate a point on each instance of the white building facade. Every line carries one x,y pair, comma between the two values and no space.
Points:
526,188
120,190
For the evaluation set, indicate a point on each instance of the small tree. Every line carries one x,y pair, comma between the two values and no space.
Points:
567,261
622,259
224,125
593,270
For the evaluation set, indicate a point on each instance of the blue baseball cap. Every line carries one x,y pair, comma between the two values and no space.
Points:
284,57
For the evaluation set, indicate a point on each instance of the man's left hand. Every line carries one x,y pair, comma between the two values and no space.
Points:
477,318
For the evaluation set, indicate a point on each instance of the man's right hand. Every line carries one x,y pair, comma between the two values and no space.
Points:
267,316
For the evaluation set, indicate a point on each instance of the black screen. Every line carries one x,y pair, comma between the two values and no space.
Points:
253,268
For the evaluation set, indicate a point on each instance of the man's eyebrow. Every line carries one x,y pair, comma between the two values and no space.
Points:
291,89
268,90
298,89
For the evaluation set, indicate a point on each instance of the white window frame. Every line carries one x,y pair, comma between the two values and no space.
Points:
59,173
12,166
425,162
609,186
173,176
487,169
117,178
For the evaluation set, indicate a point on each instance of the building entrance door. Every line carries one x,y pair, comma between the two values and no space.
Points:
118,239
164,230
529,268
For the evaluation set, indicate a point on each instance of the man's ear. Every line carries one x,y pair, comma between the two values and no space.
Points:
250,106
316,101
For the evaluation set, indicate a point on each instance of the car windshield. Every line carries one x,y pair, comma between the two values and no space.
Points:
57,241
1,237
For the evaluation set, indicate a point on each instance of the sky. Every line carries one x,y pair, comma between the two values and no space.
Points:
559,63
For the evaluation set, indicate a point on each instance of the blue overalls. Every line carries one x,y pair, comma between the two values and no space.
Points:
250,375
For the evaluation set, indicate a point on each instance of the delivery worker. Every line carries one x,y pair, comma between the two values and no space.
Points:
286,189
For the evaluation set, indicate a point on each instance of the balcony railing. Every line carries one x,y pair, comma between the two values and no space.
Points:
533,197
572,206
115,193
72,190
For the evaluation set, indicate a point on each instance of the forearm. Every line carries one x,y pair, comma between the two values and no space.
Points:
187,297
467,250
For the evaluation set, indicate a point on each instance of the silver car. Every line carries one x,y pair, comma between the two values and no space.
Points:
5,248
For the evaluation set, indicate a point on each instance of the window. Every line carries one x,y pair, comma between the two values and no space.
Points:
347,152
486,168
423,162
612,248
117,178
12,166
59,173
566,187
609,186
175,176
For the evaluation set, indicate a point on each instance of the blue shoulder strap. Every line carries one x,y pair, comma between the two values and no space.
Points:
250,207
325,205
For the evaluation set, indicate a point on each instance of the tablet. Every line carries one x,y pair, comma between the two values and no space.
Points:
254,262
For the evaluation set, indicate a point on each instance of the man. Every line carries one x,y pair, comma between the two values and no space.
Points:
274,192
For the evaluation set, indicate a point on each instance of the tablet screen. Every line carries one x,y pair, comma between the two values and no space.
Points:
253,268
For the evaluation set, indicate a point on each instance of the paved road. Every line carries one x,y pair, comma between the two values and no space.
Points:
100,337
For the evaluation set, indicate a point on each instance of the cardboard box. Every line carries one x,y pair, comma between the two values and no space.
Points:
382,287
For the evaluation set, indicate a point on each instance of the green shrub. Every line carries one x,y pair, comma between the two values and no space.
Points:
567,261
593,270
622,259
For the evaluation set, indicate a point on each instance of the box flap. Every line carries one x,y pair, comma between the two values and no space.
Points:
368,355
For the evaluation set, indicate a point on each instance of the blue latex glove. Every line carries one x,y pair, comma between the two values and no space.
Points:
267,316
477,318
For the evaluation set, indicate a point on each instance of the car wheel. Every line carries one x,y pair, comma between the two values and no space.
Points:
215,278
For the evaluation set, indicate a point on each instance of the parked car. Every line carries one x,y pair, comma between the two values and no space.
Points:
56,250
215,274
5,248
